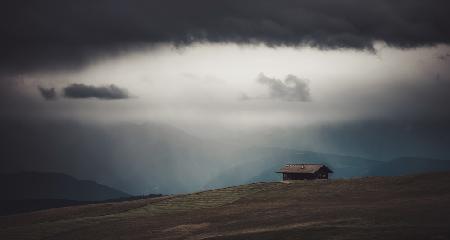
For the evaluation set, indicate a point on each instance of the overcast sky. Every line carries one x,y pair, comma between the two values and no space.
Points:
219,69
224,85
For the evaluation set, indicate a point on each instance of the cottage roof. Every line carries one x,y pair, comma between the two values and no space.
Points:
303,168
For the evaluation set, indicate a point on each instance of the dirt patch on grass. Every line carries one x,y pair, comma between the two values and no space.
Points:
187,227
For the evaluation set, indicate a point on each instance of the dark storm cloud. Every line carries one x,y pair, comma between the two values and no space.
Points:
291,89
444,57
63,33
109,92
47,93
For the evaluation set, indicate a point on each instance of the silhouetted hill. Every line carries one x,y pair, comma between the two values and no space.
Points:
8,207
409,165
46,185
28,205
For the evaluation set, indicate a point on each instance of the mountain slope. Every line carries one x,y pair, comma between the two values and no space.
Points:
138,158
407,207
409,165
262,163
45,185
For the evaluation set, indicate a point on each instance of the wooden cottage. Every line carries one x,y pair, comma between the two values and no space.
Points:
304,171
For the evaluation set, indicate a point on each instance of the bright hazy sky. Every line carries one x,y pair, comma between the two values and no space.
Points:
217,84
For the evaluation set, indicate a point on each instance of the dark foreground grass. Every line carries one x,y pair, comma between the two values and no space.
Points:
408,207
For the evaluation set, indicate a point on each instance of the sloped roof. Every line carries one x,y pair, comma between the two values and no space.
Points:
302,168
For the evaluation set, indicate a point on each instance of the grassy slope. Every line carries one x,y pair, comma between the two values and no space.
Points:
408,207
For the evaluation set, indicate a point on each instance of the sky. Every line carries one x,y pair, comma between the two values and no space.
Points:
366,78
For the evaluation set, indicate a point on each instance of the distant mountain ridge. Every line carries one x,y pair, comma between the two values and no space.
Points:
50,185
264,168
266,161
160,158
409,165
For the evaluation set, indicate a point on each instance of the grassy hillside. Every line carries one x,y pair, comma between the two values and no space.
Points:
407,207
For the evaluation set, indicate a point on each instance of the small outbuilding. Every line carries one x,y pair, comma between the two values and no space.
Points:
304,171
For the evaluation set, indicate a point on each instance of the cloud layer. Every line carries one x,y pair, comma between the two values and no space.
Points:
47,93
109,92
67,33
291,89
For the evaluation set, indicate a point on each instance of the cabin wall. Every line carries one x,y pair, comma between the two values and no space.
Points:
305,176
298,176
321,174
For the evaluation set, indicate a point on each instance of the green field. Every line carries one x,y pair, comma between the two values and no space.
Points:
408,207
